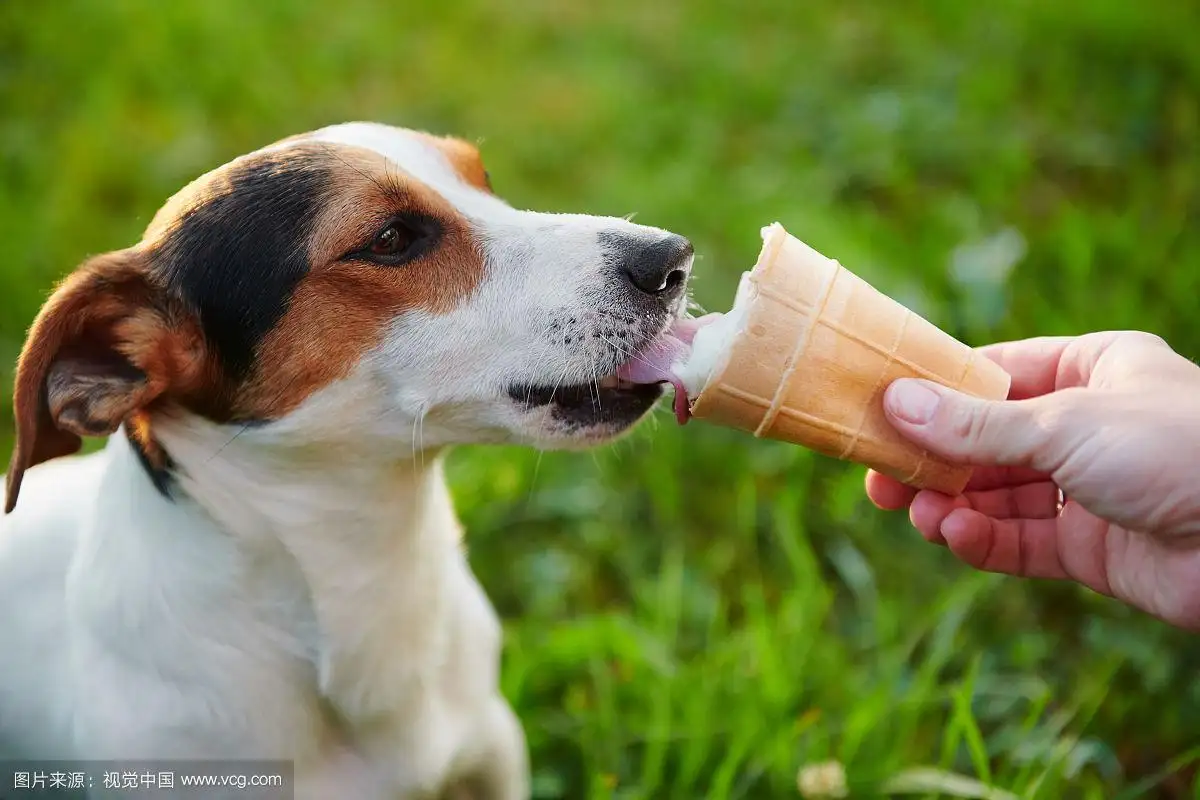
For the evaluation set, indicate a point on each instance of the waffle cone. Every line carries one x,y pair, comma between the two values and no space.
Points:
818,347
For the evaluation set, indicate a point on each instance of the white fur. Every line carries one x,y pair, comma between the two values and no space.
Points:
306,594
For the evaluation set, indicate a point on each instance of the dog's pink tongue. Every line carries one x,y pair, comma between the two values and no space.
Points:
654,363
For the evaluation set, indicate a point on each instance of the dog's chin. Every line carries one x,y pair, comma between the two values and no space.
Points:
585,414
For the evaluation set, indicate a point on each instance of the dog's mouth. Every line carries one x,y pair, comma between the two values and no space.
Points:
609,402
623,396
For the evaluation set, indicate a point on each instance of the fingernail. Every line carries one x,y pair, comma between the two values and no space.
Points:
911,401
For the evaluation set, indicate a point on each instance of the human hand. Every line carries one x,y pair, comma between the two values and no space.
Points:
1110,420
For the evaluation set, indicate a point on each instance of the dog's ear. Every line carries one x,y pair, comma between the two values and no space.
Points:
107,344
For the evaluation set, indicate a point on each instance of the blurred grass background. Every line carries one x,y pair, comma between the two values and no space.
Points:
693,613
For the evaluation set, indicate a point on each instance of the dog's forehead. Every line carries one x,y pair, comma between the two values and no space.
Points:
442,164
451,167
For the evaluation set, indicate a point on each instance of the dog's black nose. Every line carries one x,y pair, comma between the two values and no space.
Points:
657,267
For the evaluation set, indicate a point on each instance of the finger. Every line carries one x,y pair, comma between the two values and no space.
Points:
970,430
929,509
1031,363
1026,548
985,478
1085,542
1137,352
888,493
1027,501
1045,364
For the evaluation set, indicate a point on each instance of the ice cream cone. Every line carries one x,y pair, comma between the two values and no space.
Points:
815,350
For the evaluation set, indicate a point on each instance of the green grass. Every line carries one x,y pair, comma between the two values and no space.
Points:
692,613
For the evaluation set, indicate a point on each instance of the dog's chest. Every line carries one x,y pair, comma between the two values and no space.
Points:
364,651
410,683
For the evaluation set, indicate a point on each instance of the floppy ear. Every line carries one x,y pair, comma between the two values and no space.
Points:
107,344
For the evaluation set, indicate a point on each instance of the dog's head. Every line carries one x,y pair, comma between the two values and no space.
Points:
359,281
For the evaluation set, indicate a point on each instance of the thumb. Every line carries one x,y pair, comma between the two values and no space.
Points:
964,428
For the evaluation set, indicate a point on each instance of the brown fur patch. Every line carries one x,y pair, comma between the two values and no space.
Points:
341,309
107,344
140,432
464,157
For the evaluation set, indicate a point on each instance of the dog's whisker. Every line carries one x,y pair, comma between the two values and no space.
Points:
627,355
564,371
418,437
383,187
594,384
537,467
622,351
230,441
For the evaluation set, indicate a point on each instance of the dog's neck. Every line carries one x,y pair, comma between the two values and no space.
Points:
373,535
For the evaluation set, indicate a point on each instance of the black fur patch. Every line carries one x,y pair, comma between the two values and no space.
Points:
237,258
160,475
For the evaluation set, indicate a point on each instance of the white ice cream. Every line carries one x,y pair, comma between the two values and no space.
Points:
711,346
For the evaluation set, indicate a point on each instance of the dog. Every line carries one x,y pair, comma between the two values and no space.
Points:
263,561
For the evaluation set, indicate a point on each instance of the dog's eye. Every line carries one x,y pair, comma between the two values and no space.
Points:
403,239
390,241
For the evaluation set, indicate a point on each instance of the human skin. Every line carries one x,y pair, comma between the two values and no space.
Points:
1112,421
